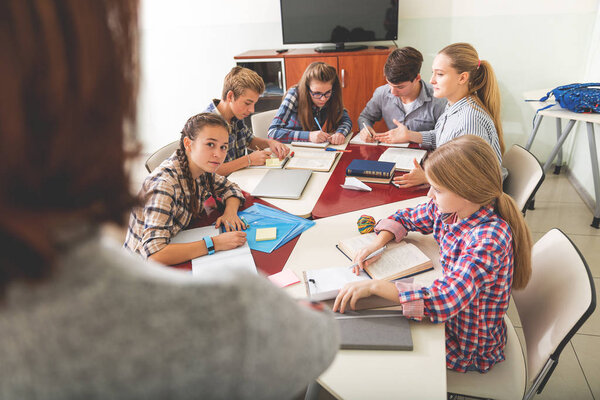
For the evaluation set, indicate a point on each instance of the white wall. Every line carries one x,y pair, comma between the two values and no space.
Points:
188,46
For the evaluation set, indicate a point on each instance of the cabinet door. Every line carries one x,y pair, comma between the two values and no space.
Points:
360,76
295,66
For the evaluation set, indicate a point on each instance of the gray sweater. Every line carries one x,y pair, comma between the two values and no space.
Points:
109,325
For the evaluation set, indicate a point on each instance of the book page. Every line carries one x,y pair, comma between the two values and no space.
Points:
405,257
403,157
310,144
315,160
352,245
357,140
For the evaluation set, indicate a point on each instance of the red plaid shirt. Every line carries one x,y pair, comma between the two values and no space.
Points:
472,297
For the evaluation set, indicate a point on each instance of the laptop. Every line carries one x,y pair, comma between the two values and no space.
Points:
282,183
374,330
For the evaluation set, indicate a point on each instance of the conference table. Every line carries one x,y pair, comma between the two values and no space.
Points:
361,374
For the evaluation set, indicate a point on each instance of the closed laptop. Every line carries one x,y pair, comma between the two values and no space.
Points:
374,330
282,183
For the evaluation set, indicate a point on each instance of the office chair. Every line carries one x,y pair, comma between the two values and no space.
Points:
525,176
160,155
261,122
558,299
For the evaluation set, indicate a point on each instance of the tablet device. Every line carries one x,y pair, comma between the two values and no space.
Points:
282,183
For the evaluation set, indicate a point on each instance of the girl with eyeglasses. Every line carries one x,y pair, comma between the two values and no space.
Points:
313,110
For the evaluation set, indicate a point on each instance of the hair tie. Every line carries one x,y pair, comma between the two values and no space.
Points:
365,224
478,63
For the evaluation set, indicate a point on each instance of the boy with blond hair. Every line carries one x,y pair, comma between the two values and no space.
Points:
241,89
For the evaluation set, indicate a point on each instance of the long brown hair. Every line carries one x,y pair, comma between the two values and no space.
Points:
192,127
69,83
469,167
483,86
335,106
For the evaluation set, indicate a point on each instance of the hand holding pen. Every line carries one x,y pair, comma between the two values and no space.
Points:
319,136
360,256
366,134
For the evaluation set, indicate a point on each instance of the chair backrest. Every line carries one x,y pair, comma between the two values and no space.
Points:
525,175
558,299
160,155
261,122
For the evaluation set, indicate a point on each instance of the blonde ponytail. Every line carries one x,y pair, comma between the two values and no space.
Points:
521,239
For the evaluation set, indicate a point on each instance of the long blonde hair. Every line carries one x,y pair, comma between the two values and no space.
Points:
468,167
483,86
335,107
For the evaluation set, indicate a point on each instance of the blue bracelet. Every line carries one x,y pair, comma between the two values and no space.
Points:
209,244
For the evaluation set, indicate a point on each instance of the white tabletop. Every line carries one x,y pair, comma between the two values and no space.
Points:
360,374
557,111
248,178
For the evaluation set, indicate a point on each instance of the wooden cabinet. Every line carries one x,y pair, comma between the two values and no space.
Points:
360,73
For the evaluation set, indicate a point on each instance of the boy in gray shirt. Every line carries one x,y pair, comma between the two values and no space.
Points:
405,99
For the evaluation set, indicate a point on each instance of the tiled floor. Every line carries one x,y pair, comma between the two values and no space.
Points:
577,375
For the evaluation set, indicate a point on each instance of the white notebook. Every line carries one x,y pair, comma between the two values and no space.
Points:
403,157
239,258
357,140
316,160
325,283
311,144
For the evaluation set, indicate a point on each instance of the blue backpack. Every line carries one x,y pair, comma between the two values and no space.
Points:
577,97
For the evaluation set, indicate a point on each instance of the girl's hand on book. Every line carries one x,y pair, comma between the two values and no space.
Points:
278,148
413,178
318,136
229,240
360,257
337,138
351,293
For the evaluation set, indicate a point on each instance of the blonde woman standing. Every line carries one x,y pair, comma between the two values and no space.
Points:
485,250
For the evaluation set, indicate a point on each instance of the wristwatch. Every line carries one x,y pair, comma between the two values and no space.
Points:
209,244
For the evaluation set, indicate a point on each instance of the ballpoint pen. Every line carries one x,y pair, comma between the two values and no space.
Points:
368,130
318,124
338,150
373,254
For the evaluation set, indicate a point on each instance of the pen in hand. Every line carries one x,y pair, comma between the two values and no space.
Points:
368,130
373,254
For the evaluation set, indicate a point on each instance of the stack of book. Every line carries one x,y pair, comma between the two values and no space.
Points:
371,171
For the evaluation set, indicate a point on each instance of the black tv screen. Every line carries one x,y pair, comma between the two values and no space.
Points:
338,21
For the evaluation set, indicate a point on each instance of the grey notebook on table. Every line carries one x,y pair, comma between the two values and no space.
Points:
282,183
374,330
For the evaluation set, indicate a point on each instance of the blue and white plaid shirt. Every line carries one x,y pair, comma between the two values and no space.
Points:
286,126
240,136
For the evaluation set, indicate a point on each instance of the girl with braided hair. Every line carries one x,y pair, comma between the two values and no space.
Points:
175,192
485,250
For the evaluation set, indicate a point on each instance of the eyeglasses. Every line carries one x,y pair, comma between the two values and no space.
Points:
319,95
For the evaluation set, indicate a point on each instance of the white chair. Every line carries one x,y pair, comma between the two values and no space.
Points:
558,299
525,176
160,155
261,122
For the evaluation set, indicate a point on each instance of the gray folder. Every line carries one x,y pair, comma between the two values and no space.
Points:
374,330
282,183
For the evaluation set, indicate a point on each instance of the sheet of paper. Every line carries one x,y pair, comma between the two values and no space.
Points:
316,160
325,283
353,183
284,278
238,258
310,144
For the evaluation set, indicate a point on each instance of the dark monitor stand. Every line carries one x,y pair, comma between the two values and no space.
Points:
339,47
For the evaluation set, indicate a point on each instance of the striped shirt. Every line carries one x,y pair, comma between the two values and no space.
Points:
286,126
472,297
425,111
240,135
164,213
465,117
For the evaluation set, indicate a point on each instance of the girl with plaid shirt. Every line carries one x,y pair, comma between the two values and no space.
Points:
174,193
313,110
485,249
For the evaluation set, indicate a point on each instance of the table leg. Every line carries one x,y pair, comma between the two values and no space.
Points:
595,174
536,125
559,144
559,159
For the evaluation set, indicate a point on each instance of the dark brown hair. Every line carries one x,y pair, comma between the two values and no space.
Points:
69,83
192,127
335,106
403,65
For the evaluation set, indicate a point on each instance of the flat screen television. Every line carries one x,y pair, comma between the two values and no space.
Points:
338,22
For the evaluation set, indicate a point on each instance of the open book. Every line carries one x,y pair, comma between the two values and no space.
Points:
403,157
316,160
399,260
310,144
357,140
